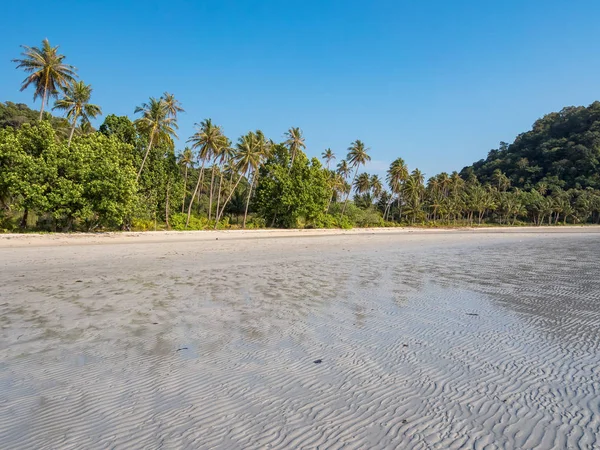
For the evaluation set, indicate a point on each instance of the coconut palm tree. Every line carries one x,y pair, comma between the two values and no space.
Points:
208,139
357,156
225,158
48,71
397,174
362,184
186,159
328,156
172,105
376,186
295,142
76,103
337,184
247,160
343,169
158,122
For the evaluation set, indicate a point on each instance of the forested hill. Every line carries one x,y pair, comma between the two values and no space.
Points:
561,150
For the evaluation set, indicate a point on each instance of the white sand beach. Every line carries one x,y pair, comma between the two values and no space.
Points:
396,338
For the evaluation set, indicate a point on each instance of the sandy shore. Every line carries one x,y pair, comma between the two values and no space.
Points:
399,338
52,239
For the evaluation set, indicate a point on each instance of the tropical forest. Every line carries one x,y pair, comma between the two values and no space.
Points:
59,173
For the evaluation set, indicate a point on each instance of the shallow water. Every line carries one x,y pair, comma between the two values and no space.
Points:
490,342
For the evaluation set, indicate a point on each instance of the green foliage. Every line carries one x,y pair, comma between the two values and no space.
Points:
120,127
91,183
17,114
562,150
291,197
127,176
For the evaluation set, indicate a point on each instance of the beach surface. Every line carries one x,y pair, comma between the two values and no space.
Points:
360,339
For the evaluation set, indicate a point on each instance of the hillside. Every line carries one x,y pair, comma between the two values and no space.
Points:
561,150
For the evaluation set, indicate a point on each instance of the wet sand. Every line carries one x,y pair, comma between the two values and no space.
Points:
411,339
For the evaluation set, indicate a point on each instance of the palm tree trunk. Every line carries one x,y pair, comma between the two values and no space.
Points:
219,215
145,156
184,190
44,99
219,193
167,205
72,131
210,198
248,201
330,200
189,213
348,194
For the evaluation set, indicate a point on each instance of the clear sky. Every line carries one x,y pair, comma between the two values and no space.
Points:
438,83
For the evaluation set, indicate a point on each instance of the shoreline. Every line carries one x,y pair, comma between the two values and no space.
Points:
12,240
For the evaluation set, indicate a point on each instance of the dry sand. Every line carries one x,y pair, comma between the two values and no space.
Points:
485,339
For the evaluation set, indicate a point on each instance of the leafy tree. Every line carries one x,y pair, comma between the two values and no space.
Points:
292,198
121,128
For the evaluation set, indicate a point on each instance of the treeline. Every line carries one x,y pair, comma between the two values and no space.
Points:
62,174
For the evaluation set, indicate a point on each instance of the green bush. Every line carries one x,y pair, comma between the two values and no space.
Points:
256,223
177,222
142,225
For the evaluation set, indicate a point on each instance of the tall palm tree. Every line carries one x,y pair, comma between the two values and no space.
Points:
357,156
186,159
396,176
225,158
295,142
247,160
328,156
76,103
208,139
48,71
158,122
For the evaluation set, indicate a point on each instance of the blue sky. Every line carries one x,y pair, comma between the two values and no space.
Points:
438,83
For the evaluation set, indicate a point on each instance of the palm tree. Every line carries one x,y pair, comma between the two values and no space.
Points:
397,174
343,169
362,183
76,104
208,140
337,183
295,142
376,186
186,160
172,105
357,156
247,160
48,71
158,122
328,156
225,158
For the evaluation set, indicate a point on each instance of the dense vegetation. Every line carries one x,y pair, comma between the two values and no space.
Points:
62,174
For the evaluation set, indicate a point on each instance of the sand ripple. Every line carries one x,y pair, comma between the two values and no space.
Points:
445,343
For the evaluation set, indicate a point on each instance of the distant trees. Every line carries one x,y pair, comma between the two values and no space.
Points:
62,174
